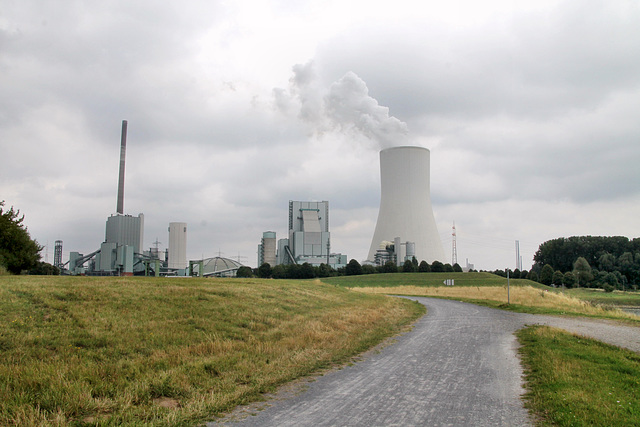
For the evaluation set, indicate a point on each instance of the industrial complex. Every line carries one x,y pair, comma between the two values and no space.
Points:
308,241
122,251
405,229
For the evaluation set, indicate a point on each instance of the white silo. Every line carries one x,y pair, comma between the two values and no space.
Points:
405,203
178,245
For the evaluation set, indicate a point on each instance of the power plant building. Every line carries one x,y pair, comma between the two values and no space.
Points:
177,245
309,237
267,249
122,251
405,211
126,230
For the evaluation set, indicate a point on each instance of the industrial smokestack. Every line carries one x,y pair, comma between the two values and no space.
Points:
405,203
123,150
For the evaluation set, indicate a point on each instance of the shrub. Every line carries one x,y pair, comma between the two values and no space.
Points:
568,280
353,268
437,267
424,267
546,275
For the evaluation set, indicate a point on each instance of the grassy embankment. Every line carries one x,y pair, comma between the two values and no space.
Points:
159,351
491,290
575,381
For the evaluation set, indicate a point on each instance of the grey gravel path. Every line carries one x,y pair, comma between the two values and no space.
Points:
457,367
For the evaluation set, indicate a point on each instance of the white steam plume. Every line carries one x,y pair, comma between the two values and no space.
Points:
343,107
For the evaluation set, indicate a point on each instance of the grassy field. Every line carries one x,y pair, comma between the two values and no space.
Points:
159,351
574,381
425,279
491,290
598,296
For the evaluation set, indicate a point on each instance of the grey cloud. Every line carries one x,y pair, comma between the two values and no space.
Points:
533,65
528,114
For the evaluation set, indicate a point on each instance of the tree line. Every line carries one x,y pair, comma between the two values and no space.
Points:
353,268
592,261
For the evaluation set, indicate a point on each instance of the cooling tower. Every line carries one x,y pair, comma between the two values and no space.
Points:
405,203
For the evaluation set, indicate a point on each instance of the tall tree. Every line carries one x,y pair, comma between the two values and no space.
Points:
17,250
557,278
546,275
582,270
606,262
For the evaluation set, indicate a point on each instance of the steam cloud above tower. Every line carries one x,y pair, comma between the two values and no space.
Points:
345,106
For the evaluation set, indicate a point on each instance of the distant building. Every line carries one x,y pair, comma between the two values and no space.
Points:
398,252
125,230
468,267
214,267
177,245
309,237
267,249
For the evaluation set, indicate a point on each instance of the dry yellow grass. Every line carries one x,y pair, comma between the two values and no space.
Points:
521,295
152,351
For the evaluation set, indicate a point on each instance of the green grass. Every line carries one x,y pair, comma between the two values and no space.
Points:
159,351
425,279
598,296
575,381
491,290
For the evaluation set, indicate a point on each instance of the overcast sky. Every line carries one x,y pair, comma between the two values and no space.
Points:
530,109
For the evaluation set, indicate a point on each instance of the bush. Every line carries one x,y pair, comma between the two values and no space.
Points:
368,269
264,271
424,267
546,275
407,267
437,267
353,268
244,271
279,272
557,278
389,267
45,269
568,280
325,270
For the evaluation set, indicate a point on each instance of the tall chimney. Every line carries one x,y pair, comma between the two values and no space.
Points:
123,150
405,203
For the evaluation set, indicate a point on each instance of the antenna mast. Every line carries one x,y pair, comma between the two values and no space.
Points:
454,249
